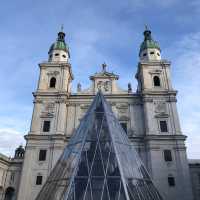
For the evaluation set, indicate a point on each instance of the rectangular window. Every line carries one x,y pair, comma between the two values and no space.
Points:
168,155
42,155
163,126
124,126
199,178
46,126
39,180
171,181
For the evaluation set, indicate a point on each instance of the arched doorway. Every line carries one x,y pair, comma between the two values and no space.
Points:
10,193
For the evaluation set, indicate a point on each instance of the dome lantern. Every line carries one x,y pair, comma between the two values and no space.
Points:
59,51
149,49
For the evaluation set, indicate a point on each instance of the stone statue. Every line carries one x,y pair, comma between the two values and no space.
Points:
129,88
78,87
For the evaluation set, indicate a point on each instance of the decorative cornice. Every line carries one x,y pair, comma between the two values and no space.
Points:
153,63
160,92
53,73
50,93
156,71
57,64
162,115
37,101
45,137
165,137
147,99
54,64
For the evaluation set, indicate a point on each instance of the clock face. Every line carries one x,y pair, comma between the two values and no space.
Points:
104,86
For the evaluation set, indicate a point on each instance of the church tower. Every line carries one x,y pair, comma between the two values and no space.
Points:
46,139
164,141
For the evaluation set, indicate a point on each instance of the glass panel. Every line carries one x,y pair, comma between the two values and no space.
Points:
97,186
91,146
122,195
113,168
80,187
71,195
97,167
105,193
88,193
105,150
99,156
83,167
113,187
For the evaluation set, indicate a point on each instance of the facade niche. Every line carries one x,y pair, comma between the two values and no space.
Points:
52,82
156,81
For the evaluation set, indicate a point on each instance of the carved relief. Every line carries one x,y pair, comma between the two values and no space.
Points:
131,132
124,118
160,107
122,106
156,71
84,108
53,73
48,110
122,109
104,85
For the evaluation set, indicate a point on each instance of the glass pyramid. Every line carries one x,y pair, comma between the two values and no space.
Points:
99,163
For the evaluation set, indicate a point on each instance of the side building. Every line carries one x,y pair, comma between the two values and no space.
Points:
148,115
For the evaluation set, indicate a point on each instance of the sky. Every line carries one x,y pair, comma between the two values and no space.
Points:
96,31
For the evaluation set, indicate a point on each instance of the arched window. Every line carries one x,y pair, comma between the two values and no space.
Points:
52,82
10,193
156,81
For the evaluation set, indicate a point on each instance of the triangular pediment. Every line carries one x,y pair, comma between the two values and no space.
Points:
99,163
104,74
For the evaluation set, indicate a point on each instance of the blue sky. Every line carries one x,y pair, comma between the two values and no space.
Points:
96,32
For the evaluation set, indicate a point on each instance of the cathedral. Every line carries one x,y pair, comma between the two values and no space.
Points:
148,117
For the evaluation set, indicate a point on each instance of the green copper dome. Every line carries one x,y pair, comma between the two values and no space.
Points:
148,42
60,43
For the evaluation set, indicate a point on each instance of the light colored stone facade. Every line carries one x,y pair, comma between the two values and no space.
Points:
194,165
149,115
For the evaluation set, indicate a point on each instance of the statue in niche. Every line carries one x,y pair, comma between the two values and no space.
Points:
104,86
99,85
79,87
107,86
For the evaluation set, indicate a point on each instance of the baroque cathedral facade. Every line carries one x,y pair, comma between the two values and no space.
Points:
148,115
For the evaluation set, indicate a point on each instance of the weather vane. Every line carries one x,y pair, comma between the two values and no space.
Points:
62,28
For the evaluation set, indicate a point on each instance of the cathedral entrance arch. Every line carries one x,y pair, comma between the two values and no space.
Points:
10,193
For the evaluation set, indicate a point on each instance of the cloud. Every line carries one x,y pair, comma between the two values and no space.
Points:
185,72
96,32
10,140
